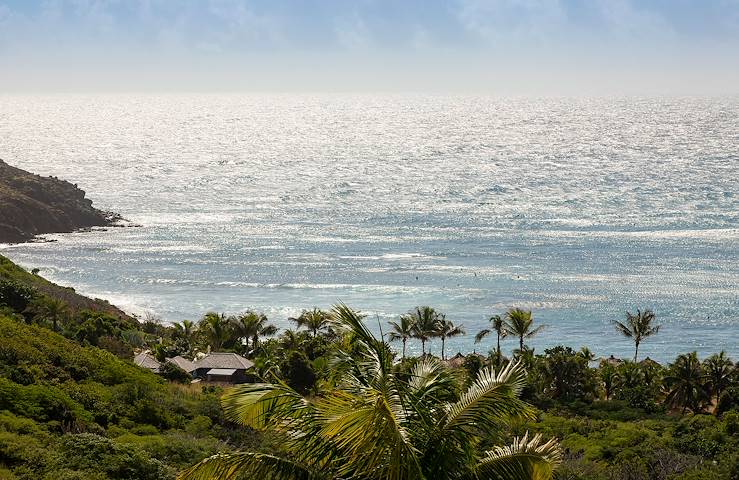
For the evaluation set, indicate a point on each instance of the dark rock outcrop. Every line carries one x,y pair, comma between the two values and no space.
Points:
32,205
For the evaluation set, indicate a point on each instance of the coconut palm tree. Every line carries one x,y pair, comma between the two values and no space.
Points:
684,381
402,331
52,310
446,329
315,320
216,329
379,425
718,370
425,324
249,326
185,331
638,327
519,323
498,326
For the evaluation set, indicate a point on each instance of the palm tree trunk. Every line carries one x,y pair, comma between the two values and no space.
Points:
498,344
423,347
636,351
520,343
443,357
404,340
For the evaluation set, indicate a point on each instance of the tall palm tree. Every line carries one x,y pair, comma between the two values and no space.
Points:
315,320
216,329
520,323
402,331
498,326
425,324
251,325
684,380
377,424
447,329
718,370
638,327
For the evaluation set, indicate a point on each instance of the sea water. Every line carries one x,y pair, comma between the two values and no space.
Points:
578,209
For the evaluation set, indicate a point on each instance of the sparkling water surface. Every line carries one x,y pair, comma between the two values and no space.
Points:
579,209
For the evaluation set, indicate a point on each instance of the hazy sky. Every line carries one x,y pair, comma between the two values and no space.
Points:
539,47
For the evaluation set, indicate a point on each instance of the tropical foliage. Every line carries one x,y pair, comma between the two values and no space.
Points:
374,423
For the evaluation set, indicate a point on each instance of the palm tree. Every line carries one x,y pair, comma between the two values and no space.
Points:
587,354
251,325
425,324
447,329
315,320
718,370
685,383
376,424
402,331
185,331
51,310
498,327
609,378
638,327
519,323
216,329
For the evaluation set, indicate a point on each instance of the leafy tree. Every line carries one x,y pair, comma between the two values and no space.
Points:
15,295
685,383
520,323
375,425
498,326
315,321
446,329
640,385
638,327
567,375
425,322
216,330
402,331
298,372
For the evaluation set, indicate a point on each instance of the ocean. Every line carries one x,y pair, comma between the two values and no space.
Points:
578,209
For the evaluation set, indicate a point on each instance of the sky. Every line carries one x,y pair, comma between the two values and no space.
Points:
505,47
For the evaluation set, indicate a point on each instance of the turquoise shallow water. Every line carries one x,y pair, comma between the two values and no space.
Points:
576,208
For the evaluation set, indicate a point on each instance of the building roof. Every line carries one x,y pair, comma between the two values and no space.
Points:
226,372
183,363
223,360
147,360
456,361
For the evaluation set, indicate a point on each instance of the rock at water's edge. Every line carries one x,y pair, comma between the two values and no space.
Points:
33,205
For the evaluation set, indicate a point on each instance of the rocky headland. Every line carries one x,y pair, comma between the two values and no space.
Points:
32,205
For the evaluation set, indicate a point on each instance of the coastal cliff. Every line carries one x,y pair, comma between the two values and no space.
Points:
32,205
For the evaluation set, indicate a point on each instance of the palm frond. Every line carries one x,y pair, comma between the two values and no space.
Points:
482,334
259,405
491,400
533,332
369,429
431,379
247,465
623,329
523,460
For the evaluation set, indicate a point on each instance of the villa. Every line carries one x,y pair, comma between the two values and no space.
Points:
215,367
